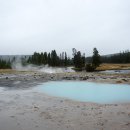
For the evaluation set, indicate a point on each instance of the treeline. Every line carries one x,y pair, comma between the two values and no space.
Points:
78,60
122,57
5,64
51,59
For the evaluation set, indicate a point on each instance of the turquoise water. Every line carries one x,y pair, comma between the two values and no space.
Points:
88,91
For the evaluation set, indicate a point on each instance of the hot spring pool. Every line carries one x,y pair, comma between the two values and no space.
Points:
87,91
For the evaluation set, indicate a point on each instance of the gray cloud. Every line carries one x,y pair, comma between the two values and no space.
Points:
42,25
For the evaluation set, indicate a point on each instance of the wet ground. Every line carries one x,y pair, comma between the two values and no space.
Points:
24,108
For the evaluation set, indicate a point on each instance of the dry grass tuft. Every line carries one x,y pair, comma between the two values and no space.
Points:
113,66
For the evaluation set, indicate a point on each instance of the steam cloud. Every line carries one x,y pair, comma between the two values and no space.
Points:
17,65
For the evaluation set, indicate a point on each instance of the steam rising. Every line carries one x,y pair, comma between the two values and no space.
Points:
44,68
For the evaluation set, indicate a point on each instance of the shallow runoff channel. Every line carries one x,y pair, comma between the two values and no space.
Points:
87,91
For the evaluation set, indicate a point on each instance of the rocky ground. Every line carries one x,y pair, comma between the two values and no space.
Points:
23,108
28,79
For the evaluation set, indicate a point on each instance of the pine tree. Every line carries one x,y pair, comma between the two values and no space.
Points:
45,58
53,58
5,64
66,60
96,58
49,59
78,59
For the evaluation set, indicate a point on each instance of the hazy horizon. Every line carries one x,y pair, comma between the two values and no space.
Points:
69,55
27,26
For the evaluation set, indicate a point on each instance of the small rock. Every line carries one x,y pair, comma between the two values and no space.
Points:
78,106
125,80
118,81
84,78
127,124
129,114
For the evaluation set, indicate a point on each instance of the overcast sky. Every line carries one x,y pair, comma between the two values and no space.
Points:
42,25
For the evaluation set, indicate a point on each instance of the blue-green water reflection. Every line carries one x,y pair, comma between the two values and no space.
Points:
88,91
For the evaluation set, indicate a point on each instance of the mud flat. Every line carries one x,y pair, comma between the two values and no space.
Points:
24,108
23,79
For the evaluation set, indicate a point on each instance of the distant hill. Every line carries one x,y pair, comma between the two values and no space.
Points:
10,57
89,59
109,55
122,57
